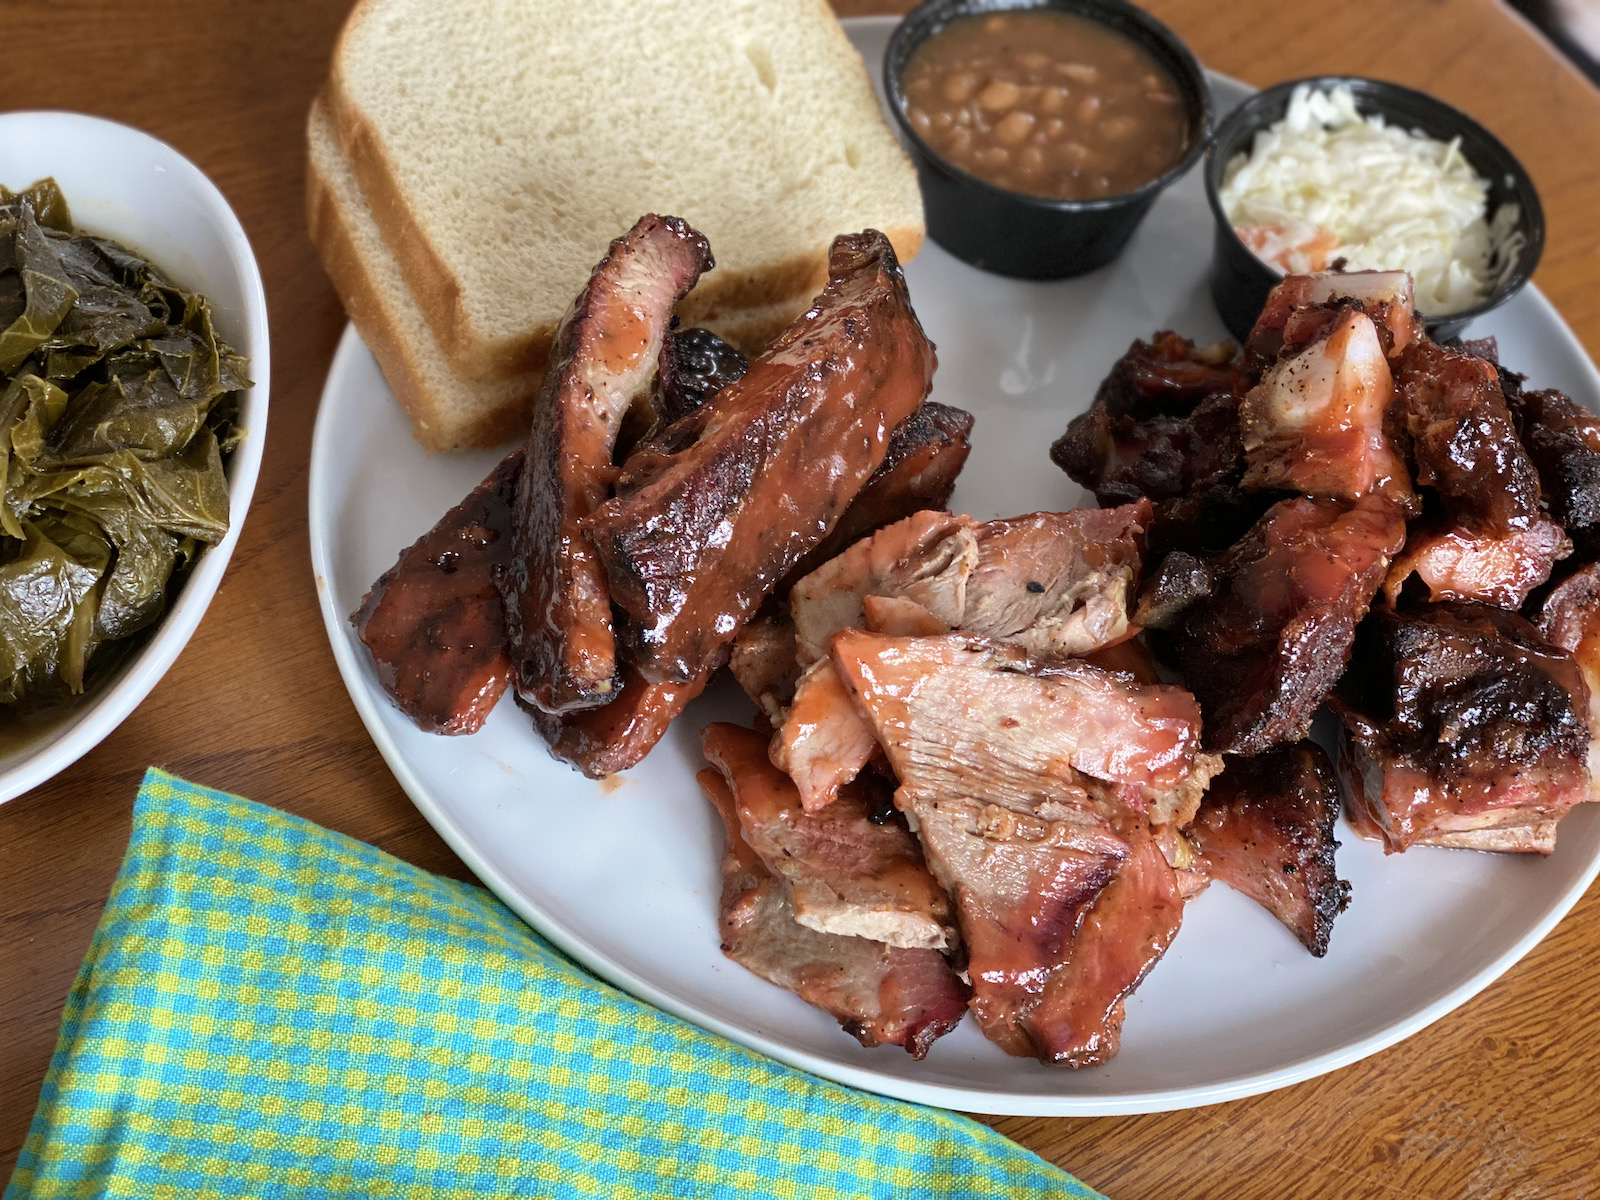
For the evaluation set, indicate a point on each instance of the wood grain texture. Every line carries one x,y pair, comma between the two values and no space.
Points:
1493,1101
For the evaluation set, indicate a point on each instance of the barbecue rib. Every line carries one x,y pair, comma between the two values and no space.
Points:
1265,828
434,622
1570,619
1462,727
880,994
602,741
926,452
698,540
1563,441
604,361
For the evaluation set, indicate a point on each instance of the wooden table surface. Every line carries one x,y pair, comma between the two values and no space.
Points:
1490,1101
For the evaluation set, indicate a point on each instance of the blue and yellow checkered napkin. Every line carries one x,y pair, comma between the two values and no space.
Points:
268,1008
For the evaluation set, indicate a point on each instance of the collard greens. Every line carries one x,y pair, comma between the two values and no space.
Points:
117,408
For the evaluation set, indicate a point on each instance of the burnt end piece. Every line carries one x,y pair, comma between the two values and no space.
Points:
702,536
1265,828
1463,440
1460,719
434,621
603,363
696,366
926,452
1266,648
1563,440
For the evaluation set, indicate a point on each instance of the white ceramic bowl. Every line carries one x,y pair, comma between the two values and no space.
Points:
128,186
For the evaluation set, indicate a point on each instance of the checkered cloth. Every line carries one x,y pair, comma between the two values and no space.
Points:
268,1008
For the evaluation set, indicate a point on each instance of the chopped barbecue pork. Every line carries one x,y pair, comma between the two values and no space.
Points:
763,661
1017,778
434,622
846,874
604,360
1462,727
1123,933
1154,431
1056,584
880,994
1463,440
824,741
1263,651
695,543
1315,423
1265,828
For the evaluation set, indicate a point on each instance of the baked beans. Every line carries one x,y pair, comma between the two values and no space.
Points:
1045,103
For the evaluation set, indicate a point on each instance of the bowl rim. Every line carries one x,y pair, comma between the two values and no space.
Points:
1149,26
60,745
1370,96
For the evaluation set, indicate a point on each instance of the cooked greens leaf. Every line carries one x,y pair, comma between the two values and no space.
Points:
118,403
48,296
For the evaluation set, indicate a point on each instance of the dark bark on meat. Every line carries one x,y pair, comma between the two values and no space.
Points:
695,364
926,452
1168,374
1563,441
1265,828
693,549
1463,440
558,607
1266,648
1459,718
1181,581
880,994
434,622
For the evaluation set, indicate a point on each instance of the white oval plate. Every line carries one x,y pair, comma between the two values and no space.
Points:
128,186
623,875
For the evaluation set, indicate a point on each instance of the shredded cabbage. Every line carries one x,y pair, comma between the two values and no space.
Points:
1327,183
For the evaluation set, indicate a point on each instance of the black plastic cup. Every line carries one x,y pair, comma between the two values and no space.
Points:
1039,237
1240,281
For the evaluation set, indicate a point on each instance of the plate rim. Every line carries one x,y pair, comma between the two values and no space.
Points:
970,1099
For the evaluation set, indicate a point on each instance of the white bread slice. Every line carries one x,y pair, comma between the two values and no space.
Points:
447,412
503,143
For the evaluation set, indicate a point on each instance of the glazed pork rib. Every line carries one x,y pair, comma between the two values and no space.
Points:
1265,828
925,454
604,362
1462,727
881,994
846,874
693,544
434,622
1017,777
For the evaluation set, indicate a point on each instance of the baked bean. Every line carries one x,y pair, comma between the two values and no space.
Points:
1046,103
